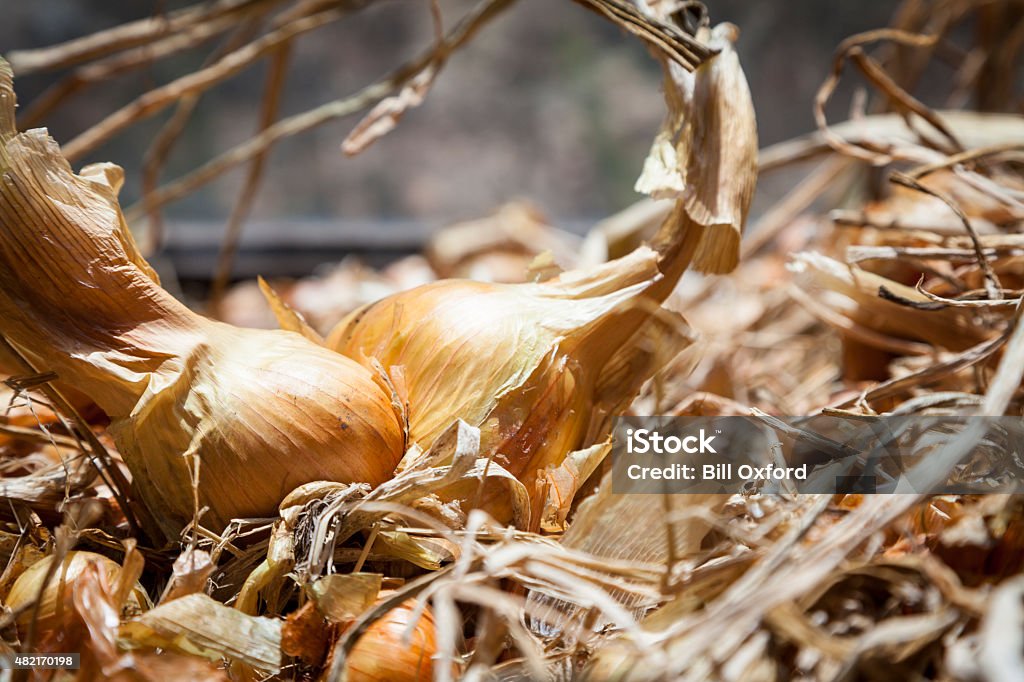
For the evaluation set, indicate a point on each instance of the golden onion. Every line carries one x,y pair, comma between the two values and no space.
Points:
381,654
534,365
251,414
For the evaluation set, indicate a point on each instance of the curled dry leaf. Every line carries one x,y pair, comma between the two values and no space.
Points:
343,598
46,487
251,413
190,573
304,635
705,157
854,293
564,482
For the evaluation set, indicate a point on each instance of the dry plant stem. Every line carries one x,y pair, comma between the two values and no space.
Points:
98,454
930,374
903,100
303,8
974,128
859,254
153,163
160,148
299,123
1008,375
276,78
438,20
865,150
853,218
910,64
61,92
780,577
775,562
970,303
992,285
1001,35
964,157
810,189
682,48
35,436
158,99
119,38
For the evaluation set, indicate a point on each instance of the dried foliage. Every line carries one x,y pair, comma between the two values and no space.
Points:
486,543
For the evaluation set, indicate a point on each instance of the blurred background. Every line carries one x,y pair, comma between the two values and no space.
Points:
549,103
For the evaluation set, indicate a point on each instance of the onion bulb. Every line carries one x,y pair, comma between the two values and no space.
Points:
56,599
536,366
243,415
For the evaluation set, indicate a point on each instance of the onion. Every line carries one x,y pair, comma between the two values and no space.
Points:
541,368
57,598
243,415
381,654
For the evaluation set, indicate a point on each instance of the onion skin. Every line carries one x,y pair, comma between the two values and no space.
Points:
261,412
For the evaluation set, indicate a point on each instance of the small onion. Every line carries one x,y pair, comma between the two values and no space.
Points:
381,655
57,598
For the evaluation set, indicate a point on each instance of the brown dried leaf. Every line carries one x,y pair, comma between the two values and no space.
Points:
305,635
189,575
854,293
565,480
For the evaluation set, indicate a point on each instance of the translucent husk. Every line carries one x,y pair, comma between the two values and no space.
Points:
242,415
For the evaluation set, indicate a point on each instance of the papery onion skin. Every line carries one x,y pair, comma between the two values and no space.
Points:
265,411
